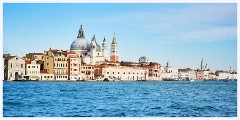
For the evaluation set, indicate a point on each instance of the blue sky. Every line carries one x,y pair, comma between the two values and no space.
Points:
180,33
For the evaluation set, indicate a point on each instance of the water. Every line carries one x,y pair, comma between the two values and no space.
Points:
120,99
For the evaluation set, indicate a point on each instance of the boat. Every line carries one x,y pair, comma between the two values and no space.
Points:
169,79
192,80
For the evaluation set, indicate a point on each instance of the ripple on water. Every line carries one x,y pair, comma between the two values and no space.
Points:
120,99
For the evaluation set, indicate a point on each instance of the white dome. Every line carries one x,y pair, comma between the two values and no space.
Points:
79,44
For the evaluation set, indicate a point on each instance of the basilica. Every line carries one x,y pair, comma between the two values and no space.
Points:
92,53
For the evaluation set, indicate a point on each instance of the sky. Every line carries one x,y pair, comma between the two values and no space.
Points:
180,33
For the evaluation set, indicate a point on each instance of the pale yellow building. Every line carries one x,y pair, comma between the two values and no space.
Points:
56,62
87,72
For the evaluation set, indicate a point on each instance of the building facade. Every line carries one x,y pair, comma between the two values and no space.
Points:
74,66
46,76
87,72
114,72
32,71
169,73
186,74
154,71
14,68
56,62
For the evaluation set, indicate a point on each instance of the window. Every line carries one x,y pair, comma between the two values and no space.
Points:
45,77
47,63
113,72
37,66
118,73
107,72
28,66
33,66
21,65
11,65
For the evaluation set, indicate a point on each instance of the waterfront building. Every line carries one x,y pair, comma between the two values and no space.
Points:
169,73
203,72
90,53
14,68
154,71
226,75
56,62
223,75
87,71
186,74
34,56
117,72
74,66
212,76
38,57
44,75
32,70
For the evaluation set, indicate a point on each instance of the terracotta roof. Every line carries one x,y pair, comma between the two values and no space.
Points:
27,62
74,57
9,57
43,72
71,52
56,50
37,53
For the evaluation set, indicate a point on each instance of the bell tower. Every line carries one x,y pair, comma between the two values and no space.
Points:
114,50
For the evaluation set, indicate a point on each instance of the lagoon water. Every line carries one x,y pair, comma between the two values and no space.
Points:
120,99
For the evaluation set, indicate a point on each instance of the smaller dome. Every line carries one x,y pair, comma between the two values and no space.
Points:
98,47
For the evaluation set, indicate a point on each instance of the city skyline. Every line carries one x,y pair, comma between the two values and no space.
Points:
182,34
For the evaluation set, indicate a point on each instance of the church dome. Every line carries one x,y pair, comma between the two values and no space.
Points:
80,43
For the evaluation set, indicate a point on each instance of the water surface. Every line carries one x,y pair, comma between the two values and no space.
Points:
120,99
